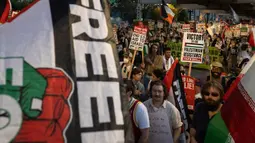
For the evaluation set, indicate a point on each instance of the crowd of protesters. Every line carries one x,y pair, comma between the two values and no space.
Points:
147,92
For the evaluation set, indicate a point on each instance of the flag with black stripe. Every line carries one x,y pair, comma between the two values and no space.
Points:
173,81
59,74
166,13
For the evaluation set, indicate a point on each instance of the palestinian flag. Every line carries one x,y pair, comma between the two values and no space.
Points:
59,74
173,81
252,39
235,123
166,13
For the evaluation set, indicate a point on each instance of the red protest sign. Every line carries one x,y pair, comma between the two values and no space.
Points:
189,87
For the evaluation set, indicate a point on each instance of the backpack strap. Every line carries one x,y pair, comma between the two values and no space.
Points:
133,110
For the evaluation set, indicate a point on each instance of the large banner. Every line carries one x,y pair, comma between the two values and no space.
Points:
59,79
192,47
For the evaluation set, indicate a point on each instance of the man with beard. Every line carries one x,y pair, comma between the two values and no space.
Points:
212,93
165,119
216,72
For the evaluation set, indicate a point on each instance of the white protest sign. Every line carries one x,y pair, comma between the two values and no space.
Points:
160,24
244,30
138,38
185,28
160,130
192,47
200,27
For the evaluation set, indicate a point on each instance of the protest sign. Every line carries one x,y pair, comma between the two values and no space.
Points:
185,28
189,88
236,30
138,38
192,47
211,54
160,24
200,27
244,30
211,30
217,27
228,33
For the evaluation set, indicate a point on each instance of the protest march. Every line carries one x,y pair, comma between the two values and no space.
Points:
133,71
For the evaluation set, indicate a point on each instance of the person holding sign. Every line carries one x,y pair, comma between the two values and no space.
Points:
165,119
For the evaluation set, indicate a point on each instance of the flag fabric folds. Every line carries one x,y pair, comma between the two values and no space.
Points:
252,37
166,13
5,9
173,81
236,19
235,122
59,75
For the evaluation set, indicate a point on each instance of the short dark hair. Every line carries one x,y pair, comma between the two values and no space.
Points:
159,83
158,73
244,47
129,85
214,84
136,71
167,49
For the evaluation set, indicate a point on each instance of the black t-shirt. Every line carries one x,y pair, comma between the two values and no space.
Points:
200,121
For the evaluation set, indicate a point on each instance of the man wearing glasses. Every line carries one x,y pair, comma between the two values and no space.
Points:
212,94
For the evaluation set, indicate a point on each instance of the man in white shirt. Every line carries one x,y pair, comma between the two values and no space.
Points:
138,121
164,117
168,60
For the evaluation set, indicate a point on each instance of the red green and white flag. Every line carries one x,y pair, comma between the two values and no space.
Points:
252,39
235,123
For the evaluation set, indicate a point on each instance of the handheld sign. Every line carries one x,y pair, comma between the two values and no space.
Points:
189,87
185,28
138,38
192,47
160,24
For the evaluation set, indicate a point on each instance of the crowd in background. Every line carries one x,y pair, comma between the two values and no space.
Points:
150,67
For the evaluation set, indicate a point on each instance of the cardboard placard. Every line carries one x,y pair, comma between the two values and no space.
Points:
189,87
160,24
200,27
138,38
244,30
185,28
160,129
192,47
228,33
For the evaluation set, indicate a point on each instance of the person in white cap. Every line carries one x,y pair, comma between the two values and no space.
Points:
216,72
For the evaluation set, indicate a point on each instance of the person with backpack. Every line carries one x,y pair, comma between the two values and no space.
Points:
138,119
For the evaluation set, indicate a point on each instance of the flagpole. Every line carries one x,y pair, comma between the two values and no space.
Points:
190,67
